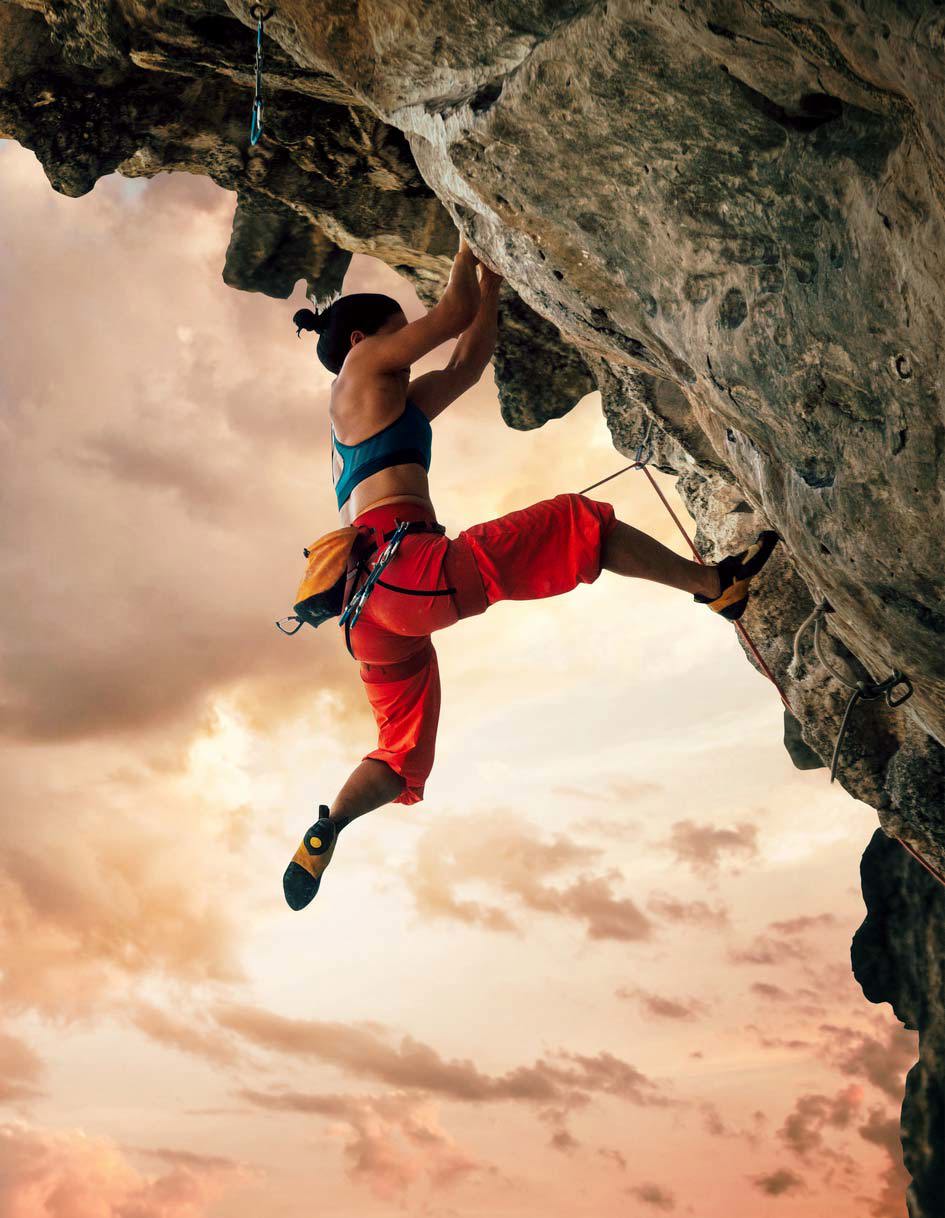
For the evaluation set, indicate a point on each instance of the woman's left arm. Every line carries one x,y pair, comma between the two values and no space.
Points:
434,391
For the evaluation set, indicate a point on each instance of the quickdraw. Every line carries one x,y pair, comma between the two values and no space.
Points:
869,691
262,15
861,691
353,609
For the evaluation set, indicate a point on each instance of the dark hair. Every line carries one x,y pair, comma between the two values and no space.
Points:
365,311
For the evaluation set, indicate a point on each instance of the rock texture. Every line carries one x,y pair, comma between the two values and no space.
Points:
899,958
727,216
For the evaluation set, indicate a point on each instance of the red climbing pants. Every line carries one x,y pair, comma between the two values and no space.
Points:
540,551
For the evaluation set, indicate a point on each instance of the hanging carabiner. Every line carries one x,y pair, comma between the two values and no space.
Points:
353,609
262,15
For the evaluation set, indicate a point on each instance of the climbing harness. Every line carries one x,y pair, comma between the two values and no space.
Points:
262,15
352,612
356,598
862,691
336,562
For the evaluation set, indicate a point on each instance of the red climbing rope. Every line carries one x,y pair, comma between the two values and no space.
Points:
638,464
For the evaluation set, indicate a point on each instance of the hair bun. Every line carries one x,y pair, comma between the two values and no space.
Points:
305,319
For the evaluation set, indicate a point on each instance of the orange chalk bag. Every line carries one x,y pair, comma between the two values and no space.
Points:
321,594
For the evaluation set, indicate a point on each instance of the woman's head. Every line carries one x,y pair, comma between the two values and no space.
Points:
350,317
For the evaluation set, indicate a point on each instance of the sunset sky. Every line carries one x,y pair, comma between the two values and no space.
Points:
602,969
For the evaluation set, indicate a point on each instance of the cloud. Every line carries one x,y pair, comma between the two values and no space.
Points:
780,1183
884,1063
802,924
688,913
703,847
663,1008
782,941
190,1159
563,1140
654,1195
160,475
185,1035
65,1174
882,1130
803,1128
716,1127
774,993
570,1079
390,1141
515,861
79,919
20,1069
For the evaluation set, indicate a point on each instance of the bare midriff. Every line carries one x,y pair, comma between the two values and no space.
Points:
397,484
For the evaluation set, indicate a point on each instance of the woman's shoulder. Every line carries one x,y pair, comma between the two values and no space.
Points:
362,406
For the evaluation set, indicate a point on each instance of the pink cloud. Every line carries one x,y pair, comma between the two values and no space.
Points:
783,940
882,1129
780,1183
74,922
20,1069
654,1196
803,1128
688,913
660,1007
703,847
59,1174
882,1062
367,1052
391,1142
520,865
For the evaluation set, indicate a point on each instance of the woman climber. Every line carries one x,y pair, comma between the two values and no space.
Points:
380,441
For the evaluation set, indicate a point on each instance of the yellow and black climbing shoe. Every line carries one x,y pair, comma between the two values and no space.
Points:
304,874
735,575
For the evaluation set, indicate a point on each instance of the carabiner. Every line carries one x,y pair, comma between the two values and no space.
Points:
905,683
262,15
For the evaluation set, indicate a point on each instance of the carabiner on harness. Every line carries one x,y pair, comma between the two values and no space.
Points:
358,600
262,15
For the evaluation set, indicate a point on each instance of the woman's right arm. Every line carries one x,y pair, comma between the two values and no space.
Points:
449,317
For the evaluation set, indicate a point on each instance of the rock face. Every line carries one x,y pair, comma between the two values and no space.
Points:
898,956
728,217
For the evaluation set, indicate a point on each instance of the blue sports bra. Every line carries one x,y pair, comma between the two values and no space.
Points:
409,439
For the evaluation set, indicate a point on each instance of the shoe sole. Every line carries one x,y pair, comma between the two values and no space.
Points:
303,876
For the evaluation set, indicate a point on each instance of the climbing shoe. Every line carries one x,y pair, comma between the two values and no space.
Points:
304,874
735,575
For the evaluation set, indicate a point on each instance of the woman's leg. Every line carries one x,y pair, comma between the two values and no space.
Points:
552,546
627,551
371,784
